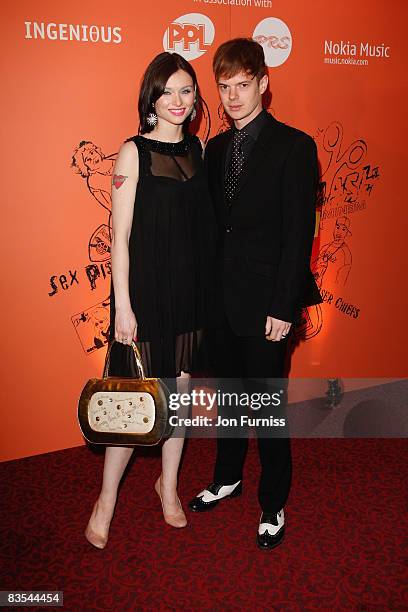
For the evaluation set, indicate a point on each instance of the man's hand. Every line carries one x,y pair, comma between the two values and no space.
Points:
275,329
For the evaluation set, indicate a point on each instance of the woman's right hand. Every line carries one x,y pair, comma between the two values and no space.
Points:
125,326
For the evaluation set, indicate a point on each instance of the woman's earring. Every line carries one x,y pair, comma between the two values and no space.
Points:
152,119
193,113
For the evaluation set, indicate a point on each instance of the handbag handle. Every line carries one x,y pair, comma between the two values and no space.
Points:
138,360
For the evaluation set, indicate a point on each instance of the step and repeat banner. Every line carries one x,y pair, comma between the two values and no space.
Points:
71,75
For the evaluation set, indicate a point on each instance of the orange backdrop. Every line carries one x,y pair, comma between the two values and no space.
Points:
71,74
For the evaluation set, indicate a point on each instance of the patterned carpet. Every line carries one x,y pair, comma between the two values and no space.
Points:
345,546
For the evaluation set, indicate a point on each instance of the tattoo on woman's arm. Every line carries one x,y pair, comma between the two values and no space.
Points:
118,180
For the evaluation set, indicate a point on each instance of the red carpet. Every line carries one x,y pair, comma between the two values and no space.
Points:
345,546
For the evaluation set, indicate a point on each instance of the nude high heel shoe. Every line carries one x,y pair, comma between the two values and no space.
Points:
99,540
175,520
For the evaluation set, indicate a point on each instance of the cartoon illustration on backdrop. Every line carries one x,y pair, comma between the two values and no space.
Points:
308,324
92,165
92,326
347,178
334,257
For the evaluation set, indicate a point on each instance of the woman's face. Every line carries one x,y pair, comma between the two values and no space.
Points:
177,101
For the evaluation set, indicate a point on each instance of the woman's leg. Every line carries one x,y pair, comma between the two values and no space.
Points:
171,455
116,460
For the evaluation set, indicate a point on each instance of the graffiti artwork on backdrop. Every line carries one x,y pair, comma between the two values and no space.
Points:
334,260
96,169
92,326
348,177
331,268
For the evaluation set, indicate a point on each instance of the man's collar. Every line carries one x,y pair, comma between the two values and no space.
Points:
254,127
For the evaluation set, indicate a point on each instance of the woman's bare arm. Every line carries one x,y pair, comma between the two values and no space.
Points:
124,184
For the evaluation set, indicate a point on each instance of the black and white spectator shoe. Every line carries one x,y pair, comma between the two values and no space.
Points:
271,529
210,497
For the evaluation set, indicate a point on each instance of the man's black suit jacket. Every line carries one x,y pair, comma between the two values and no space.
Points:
266,233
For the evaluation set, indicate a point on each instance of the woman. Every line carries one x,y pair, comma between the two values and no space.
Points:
162,245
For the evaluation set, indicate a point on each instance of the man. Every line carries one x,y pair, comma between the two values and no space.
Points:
263,178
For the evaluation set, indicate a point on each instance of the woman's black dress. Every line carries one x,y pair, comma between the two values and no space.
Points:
171,258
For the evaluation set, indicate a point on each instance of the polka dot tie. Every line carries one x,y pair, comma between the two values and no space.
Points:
236,164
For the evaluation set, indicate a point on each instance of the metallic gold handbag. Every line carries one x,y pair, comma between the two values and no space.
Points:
124,411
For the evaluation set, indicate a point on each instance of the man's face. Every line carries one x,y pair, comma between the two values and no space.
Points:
241,96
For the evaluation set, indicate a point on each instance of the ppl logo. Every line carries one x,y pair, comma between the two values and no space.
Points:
189,35
275,37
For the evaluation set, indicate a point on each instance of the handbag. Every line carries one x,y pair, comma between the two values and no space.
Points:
124,411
